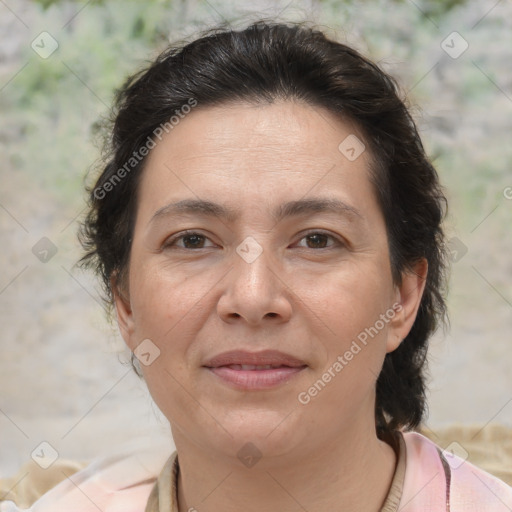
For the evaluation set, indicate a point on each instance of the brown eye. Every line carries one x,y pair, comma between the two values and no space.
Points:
187,241
318,241
193,241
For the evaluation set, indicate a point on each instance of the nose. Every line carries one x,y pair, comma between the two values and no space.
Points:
254,293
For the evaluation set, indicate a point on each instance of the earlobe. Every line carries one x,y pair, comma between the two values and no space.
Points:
124,312
409,295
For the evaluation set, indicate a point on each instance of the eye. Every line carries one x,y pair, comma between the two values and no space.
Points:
319,240
187,240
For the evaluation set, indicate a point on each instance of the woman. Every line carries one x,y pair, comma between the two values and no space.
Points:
268,228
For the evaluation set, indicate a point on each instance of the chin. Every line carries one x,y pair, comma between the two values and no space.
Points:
273,433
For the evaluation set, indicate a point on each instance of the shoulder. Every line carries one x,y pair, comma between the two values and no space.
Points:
446,476
118,482
32,481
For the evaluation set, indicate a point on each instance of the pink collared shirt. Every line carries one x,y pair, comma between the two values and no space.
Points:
425,480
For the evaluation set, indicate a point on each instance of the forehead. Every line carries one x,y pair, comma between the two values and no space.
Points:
250,154
304,130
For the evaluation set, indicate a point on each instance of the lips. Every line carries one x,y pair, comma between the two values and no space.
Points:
254,370
272,358
256,366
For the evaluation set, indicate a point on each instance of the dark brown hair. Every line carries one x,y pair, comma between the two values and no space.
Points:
265,62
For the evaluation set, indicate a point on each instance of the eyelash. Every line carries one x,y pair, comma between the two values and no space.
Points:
169,243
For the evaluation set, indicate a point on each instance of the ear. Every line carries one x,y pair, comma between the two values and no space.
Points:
124,312
408,298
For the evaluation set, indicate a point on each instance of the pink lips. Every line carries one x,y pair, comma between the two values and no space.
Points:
255,370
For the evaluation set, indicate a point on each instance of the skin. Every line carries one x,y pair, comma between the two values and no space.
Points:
307,296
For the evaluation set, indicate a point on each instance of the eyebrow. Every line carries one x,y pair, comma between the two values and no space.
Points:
290,209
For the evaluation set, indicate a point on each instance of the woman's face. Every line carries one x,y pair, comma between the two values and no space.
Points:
259,242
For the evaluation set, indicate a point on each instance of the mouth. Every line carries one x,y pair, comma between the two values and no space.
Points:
254,371
253,367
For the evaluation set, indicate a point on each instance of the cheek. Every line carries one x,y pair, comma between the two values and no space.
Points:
175,396
169,311
164,300
350,306
349,298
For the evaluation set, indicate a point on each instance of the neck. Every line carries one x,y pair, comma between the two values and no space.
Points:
354,471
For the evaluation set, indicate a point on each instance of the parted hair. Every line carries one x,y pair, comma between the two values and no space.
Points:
265,62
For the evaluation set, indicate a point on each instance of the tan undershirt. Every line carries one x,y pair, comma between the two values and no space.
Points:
164,496
397,484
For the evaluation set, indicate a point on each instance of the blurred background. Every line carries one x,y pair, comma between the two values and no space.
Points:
64,377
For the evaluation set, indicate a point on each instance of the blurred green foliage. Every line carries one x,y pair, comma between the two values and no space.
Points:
53,105
48,3
435,8
428,6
